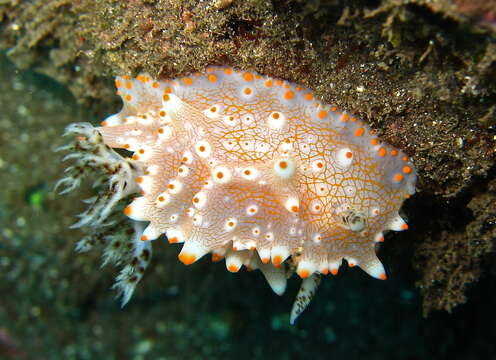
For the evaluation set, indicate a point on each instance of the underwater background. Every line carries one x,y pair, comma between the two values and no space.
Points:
438,301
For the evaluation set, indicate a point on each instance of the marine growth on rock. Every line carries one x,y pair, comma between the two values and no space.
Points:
245,167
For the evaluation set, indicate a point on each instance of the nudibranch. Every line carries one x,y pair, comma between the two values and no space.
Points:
248,168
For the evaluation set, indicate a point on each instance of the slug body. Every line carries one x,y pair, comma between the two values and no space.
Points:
259,172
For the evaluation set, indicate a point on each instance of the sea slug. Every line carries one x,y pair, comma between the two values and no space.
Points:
252,169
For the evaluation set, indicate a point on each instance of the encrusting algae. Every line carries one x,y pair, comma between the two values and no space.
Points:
251,169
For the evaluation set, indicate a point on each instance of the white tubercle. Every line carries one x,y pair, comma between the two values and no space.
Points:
145,183
175,235
137,209
397,224
151,233
344,157
192,251
374,268
284,168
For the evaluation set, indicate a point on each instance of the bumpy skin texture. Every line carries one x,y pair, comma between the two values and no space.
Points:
237,162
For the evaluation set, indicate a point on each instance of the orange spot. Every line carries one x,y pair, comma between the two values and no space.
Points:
351,264
334,271
247,172
188,81
210,69
308,97
126,146
228,71
277,260
216,257
161,198
166,97
398,177
268,83
167,90
128,98
233,268
405,158
247,91
139,179
129,85
162,113
404,227
294,208
359,132
160,131
407,196
320,165
374,141
279,82
128,210
382,152
212,78
283,164
382,276
325,271
196,200
171,186
407,169
275,116
322,114
141,151
333,109
173,240
381,239
265,260
143,238
230,224
304,273
353,119
104,123
248,76
155,84
345,117
349,154
187,259
394,152
118,83
201,148
288,95
220,175
213,109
